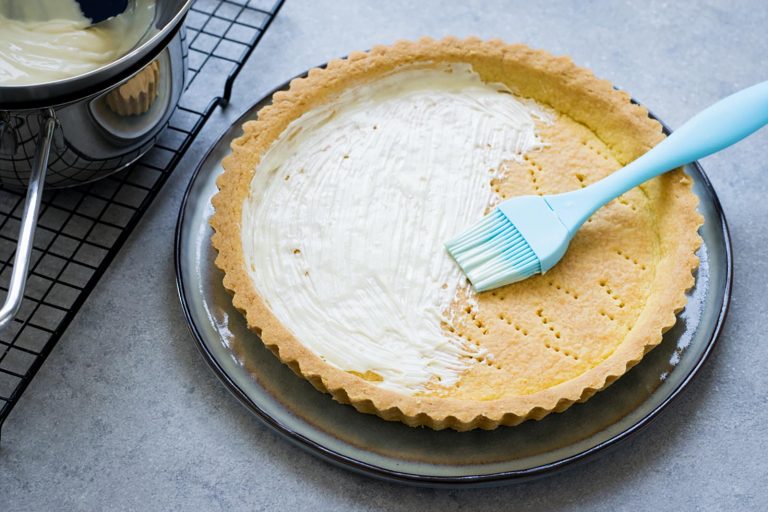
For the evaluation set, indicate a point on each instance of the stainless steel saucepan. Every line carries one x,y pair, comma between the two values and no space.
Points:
65,133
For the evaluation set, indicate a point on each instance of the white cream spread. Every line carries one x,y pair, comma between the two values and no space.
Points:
344,226
47,40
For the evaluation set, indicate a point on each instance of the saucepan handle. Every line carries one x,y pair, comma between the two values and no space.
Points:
28,221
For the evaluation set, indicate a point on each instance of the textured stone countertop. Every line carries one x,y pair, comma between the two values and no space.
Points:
125,414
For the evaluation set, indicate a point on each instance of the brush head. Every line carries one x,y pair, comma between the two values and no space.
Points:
520,238
493,253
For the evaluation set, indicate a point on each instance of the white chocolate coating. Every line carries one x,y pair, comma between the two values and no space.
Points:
348,210
46,40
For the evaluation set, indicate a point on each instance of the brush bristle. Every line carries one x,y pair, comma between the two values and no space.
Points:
493,253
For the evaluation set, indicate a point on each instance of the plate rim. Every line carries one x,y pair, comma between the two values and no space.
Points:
361,467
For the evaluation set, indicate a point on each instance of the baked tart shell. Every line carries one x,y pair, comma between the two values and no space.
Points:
624,127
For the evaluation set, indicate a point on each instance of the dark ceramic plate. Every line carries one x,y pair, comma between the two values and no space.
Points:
420,456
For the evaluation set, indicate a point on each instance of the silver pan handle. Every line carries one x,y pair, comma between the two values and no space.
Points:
28,222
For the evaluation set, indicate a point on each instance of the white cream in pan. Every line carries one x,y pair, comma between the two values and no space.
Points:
46,40
344,226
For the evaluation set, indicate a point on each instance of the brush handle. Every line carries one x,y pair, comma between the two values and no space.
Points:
717,127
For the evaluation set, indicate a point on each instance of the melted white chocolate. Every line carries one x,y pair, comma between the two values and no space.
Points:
344,226
46,40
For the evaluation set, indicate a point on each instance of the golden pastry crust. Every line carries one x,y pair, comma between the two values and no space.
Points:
597,130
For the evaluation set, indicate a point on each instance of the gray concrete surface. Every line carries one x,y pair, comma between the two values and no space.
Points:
125,415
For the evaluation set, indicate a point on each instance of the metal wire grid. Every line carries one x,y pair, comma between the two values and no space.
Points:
80,230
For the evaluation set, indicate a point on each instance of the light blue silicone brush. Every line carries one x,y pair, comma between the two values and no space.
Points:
528,235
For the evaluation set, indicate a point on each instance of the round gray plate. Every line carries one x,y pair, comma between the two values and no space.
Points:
421,456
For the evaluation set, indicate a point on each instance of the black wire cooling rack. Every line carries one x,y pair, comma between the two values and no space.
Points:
80,230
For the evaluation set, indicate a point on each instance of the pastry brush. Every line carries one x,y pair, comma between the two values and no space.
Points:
528,235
